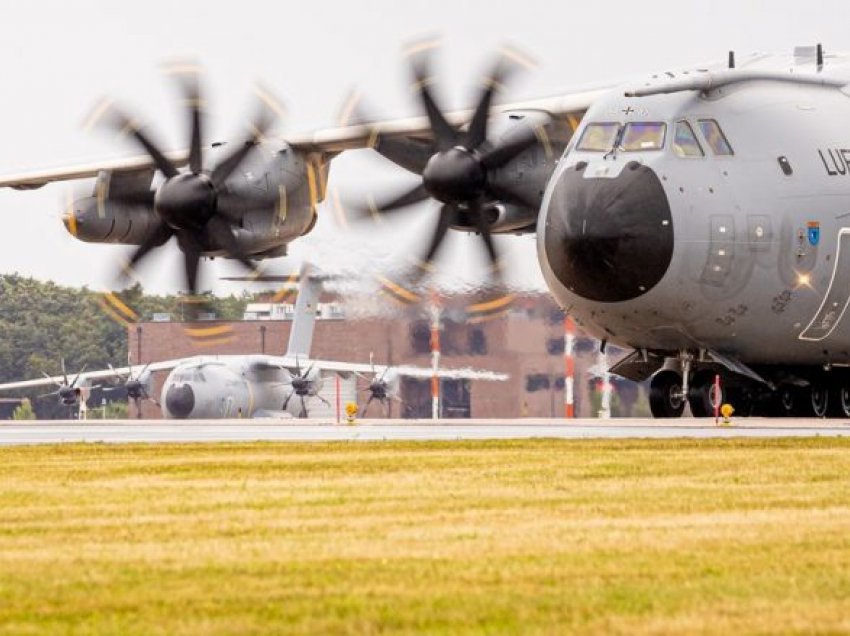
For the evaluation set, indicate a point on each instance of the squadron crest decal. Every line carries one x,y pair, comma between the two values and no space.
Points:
813,232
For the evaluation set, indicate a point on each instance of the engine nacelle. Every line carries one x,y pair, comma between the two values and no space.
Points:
513,219
102,221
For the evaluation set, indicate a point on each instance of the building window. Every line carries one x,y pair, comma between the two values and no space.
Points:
555,346
536,382
477,342
556,317
420,337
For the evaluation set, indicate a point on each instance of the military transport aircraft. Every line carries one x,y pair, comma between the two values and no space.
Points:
700,217
222,386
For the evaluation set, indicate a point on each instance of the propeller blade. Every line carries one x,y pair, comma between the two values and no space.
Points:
191,259
324,401
408,198
187,77
447,214
157,238
51,379
303,407
286,401
74,383
44,395
517,142
260,126
486,236
477,133
122,124
445,136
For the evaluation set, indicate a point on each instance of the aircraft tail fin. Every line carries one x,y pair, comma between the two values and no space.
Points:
306,306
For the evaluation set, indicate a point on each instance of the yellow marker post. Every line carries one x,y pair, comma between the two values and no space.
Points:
351,412
726,411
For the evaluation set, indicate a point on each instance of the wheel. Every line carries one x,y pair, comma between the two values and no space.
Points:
701,394
665,394
839,399
808,401
785,401
814,400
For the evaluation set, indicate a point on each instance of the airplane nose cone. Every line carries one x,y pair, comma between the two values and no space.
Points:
180,400
609,239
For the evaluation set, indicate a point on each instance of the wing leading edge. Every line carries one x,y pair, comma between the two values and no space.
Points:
88,376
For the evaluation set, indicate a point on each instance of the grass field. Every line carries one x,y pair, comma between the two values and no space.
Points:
503,537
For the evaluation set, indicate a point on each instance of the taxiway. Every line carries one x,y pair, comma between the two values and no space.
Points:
157,431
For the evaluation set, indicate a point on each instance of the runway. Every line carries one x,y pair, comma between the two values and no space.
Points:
160,431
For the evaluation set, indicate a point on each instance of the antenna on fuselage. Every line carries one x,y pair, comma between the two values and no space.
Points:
819,55
731,59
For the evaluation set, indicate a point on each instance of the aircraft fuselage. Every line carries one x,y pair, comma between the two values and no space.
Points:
731,252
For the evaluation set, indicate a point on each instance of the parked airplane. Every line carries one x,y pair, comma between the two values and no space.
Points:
221,386
698,217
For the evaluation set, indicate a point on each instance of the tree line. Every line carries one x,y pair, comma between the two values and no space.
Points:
42,322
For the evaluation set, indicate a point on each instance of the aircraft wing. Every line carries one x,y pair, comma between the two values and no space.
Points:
89,376
403,370
569,106
38,178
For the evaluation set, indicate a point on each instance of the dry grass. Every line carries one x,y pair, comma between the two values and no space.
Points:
502,537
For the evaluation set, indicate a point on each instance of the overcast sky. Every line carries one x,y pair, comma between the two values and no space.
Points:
60,57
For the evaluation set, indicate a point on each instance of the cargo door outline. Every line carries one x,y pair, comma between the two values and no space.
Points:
828,316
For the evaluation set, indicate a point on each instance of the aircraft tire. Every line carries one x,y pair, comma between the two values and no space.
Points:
665,395
815,400
701,392
786,401
839,399
809,401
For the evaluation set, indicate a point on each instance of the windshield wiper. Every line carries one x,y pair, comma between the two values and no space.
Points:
617,141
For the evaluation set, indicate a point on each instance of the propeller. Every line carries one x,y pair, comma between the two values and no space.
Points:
302,386
193,206
460,169
135,385
379,387
69,393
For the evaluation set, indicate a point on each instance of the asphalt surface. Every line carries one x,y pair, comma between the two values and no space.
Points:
156,431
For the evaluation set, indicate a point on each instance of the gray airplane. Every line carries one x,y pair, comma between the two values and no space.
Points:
699,217
231,386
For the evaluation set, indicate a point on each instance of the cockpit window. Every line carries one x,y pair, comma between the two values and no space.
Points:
715,138
641,135
599,137
685,141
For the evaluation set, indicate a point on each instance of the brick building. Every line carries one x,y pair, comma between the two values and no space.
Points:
527,343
